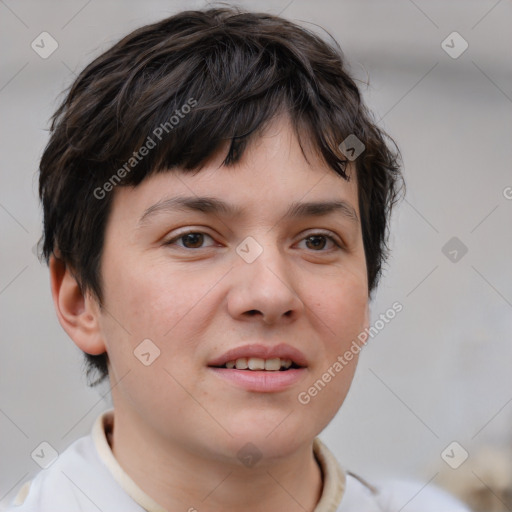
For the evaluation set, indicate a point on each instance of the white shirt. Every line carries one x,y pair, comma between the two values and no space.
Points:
86,477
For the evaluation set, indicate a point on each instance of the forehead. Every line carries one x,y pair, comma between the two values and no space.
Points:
274,176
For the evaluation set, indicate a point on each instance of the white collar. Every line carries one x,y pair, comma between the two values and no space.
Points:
334,477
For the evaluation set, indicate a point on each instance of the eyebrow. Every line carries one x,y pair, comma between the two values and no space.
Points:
212,205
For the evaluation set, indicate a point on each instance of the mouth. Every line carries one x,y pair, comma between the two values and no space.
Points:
261,368
258,357
275,364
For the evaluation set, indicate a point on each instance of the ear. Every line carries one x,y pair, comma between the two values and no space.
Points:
77,313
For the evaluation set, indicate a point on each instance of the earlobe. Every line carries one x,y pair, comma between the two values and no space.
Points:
78,313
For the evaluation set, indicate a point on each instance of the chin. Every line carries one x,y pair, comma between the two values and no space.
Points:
274,434
248,451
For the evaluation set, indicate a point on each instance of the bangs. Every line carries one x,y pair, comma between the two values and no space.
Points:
166,114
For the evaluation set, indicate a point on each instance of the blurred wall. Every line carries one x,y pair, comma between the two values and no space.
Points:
439,372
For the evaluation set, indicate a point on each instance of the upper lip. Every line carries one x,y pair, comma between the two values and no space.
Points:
281,351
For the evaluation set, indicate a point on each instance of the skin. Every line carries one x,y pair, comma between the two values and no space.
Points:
178,426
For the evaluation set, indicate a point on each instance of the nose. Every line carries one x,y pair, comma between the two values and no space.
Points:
264,288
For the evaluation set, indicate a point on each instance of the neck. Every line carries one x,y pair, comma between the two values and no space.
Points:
180,479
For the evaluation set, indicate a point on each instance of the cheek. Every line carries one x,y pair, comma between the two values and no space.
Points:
151,311
340,312
341,306
140,293
165,305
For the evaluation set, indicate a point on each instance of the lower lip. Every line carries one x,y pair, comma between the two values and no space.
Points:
262,381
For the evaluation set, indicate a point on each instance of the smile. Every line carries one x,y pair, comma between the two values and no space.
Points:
261,375
257,363
261,368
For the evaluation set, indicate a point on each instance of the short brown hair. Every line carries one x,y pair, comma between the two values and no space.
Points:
235,70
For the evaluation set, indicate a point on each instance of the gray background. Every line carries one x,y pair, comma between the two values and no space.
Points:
440,371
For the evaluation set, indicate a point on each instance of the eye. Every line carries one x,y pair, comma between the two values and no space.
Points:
191,239
317,241
195,240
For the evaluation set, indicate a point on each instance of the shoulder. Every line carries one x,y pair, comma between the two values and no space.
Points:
76,480
394,495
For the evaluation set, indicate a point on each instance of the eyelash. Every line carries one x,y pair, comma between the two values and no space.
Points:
181,235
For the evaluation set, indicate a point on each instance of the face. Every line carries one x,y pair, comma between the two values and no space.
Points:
257,285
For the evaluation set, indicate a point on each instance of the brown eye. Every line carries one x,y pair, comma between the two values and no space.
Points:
190,240
317,242
194,239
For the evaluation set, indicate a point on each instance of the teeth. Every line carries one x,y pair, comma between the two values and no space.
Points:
241,364
256,363
272,364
